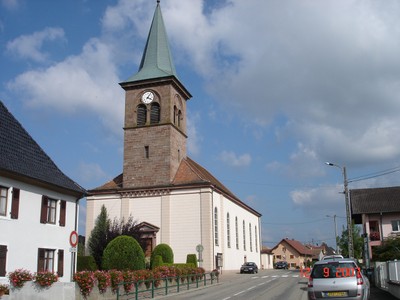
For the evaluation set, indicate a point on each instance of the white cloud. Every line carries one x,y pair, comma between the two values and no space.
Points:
80,84
232,159
194,137
30,46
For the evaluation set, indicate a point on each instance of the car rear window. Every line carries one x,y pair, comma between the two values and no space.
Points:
335,270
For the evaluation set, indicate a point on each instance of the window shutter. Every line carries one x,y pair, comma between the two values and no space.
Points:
43,212
40,267
3,258
15,204
141,115
63,208
60,265
155,113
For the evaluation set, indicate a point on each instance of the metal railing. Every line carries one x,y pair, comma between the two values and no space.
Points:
163,286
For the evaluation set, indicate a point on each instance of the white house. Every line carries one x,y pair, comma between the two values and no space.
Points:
38,205
160,185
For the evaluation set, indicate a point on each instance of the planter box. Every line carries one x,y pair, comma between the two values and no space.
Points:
31,291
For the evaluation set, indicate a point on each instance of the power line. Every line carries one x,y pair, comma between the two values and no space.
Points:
375,174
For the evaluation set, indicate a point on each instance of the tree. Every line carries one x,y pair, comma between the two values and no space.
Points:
358,242
389,250
119,227
123,253
98,239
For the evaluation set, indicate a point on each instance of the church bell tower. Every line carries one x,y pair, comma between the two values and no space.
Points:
155,115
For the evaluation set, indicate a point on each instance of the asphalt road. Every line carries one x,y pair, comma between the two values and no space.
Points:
266,285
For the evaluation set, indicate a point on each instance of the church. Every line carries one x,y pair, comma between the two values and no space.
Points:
175,200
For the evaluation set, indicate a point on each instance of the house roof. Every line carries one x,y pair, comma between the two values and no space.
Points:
296,245
20,156
189,174
375,200
157,59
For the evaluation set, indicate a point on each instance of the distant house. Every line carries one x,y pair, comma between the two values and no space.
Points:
293,252
267,258
38,205
378,210
320,251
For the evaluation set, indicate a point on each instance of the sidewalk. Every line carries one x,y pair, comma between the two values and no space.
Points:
379,294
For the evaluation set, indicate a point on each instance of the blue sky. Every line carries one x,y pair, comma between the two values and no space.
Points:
279,88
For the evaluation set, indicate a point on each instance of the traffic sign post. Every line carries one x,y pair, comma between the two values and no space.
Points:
73,241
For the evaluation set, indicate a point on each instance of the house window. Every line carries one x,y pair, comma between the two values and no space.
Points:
291,256
45,260
3,260
146,152
396,225
228,230
3,201
237,232
155,113
255,235
278,257
216,227
48,211
250,238
244,235
141,115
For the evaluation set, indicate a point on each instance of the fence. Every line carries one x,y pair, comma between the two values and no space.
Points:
163,286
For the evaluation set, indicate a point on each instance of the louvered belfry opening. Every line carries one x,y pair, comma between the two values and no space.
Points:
155,113
141,115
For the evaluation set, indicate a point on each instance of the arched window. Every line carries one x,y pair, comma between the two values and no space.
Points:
179,118
155,113
175,114
228,230
250,239
244,235
255,234
216,240
237,232
141,115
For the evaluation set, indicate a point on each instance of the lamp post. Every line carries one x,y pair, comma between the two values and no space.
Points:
348,209
334,220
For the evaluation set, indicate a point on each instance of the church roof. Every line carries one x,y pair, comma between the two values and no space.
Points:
21,156
189,174
157,59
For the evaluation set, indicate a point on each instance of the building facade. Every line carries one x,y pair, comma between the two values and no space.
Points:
38,206
160,184
378,211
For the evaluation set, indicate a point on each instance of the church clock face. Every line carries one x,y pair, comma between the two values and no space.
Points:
147,97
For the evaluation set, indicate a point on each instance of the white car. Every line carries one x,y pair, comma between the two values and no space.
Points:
338,279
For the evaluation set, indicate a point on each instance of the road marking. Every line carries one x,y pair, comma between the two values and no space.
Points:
238,293
265,276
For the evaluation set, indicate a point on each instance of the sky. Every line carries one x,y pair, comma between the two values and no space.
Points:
279,88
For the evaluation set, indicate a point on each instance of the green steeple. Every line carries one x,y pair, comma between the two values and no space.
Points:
157,60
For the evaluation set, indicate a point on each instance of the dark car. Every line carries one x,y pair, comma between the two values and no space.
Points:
281,265
249,267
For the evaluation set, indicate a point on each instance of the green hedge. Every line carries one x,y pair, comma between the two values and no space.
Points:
86,263
191,259
123,253
165,252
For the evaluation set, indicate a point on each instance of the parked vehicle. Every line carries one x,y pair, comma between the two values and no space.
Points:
281,265
338,279
249,267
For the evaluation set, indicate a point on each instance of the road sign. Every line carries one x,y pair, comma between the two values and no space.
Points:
73,239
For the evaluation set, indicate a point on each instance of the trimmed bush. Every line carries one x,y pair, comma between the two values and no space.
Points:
86,263
191,259
165,252
157,262
123,253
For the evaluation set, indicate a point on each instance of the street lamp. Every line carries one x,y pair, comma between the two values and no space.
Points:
334,220
348,209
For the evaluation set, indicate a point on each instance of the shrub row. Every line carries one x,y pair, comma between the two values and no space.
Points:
86,280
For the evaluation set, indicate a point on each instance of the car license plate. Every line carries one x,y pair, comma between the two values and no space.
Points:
335,294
